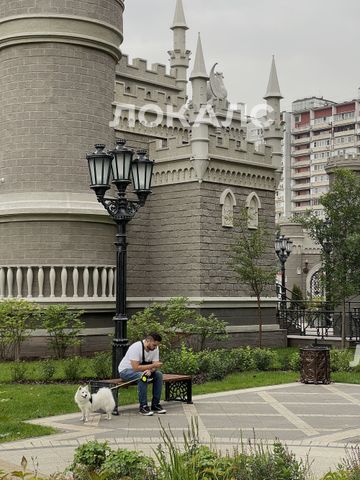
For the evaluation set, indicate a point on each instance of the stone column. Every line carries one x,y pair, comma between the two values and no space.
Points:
57,71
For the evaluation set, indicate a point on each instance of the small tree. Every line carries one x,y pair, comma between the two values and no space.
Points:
17,319
63,327
248,260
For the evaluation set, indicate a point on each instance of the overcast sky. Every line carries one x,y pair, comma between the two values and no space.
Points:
315,43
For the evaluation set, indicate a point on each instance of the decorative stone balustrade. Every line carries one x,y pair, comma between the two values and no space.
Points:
61,283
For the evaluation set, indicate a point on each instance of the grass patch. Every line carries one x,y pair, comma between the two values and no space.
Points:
242,380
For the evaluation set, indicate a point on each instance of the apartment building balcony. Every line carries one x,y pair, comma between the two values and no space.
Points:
301,198
299,141
344,121
321,136
302,208
301,163
300,186
344,132
322,148
320,126
303,151
306,174
300,129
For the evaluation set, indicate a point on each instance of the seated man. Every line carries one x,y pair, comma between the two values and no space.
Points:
141,363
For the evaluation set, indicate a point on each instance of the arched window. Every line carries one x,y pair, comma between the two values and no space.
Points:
252,205
316,285
228,202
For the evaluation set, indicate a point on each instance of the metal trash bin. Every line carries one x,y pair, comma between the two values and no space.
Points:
315,364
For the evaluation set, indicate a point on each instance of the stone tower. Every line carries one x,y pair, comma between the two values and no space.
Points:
273,134
57,71
180,56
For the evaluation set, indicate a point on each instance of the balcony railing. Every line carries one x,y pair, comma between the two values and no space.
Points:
61,283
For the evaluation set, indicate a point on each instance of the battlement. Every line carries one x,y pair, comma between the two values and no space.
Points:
138,70
234,149
169,149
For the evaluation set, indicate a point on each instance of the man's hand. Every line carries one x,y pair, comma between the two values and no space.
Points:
157,364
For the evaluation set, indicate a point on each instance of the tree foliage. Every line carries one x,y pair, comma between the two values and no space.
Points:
63,327
338,234
18,318
176,322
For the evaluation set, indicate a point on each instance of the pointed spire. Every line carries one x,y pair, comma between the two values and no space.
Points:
273,88
199,70
179,17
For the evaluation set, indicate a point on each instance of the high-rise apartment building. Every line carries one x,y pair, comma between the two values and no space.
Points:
320,129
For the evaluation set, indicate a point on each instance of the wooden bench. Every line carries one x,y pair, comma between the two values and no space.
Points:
177,387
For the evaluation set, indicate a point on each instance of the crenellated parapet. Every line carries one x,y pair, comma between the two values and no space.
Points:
228,165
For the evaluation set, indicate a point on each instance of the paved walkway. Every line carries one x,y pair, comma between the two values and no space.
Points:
318,420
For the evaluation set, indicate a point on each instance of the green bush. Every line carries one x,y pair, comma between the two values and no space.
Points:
216,364
264,359
47,369
340,360
18,371
17,319
183,361
73,368
63,327
242,359
101,364
89,458
294,361
127,464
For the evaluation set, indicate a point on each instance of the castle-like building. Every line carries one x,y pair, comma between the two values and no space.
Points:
60,66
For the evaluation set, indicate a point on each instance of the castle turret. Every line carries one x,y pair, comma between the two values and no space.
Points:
273,132
200,128
57,88
180,56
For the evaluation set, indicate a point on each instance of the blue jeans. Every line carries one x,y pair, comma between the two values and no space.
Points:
130,374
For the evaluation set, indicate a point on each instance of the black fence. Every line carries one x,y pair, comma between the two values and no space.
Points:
318,318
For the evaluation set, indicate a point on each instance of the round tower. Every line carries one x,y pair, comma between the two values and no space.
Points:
57,70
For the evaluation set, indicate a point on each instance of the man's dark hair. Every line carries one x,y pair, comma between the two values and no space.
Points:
155,336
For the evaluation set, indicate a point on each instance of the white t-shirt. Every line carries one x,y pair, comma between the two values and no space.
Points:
135,352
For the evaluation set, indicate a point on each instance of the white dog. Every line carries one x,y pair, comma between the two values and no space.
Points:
101,400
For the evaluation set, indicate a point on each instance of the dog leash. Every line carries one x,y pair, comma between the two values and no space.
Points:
122,385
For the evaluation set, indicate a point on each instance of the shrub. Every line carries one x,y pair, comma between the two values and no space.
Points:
17,319
89,458
47,369
242,359
73,368
182,362
294,361
340,360
216,364
102,365
63,327
264,359
127,464
18,371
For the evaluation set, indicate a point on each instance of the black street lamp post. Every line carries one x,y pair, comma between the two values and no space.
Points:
283,247
120,166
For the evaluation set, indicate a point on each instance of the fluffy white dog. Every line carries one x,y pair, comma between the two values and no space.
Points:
101,400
